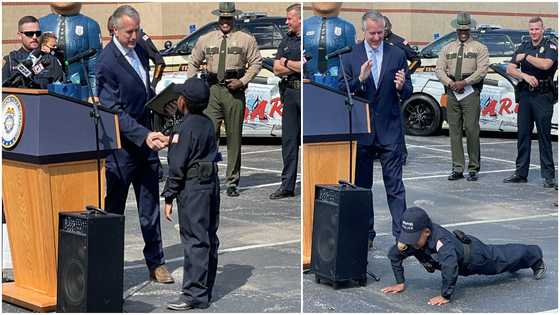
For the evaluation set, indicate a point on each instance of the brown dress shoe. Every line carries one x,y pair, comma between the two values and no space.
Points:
161,275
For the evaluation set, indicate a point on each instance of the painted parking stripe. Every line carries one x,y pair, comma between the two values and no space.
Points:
482,143
222,251
529,217
447,174
263,185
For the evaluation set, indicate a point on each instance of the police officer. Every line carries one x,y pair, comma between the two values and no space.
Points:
227,52
538,61
76,33
455,254
288,66
28,35
411,55
461,68
193,181
395,40
325,32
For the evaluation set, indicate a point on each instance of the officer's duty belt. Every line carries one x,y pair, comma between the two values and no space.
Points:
293,84
230,74
545,86
202,170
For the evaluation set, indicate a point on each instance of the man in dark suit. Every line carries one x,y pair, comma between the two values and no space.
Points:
123,85
378,72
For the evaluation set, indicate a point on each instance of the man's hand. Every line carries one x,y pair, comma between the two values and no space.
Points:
460,86
438,300
520,57
157,141
234,84
531,80
365,70
168,211
93,99
399,79
397,288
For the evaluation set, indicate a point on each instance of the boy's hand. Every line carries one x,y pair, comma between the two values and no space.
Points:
168,210
438,300
397,288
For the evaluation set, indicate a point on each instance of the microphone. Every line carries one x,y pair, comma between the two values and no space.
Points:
85,54
337,52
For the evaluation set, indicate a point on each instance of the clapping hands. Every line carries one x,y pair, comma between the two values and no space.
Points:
157,141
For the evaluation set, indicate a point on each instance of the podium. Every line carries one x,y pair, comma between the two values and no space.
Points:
326,145
49,166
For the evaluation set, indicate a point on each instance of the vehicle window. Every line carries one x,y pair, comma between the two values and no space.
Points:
186,45
432,50
498,45
517,37
267,35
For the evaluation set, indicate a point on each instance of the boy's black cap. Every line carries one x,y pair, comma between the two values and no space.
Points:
413,221
196,91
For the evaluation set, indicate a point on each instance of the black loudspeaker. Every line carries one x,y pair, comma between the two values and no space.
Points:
340,233
90,263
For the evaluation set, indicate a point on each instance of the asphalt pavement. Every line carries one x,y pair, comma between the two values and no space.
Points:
259,255
495,212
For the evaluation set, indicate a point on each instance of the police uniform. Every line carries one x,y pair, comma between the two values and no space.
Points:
458,255
463,61
290,48
193,181
51,73
321,36
536,108
411,54
76,34
237,49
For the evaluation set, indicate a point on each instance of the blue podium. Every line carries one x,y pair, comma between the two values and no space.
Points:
49,166
326,151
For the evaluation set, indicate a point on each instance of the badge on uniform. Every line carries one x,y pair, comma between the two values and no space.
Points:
439,244
337,31
405,43
79,30
541,50
175,138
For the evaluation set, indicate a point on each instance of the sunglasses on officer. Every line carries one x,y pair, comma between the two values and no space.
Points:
31,33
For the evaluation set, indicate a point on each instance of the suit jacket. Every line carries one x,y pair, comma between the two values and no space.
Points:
121,89
384,102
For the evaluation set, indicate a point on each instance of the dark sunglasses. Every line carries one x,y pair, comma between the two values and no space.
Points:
30,34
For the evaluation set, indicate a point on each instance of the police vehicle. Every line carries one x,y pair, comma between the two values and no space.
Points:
501,43
425,112
263,111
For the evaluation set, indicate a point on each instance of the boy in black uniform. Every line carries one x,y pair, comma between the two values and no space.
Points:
537,60
455,254
193,181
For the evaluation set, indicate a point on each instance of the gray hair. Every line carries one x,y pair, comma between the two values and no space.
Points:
372,15
127,10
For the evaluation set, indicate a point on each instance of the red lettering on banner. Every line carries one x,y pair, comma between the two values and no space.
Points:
490,109
276,107
505,104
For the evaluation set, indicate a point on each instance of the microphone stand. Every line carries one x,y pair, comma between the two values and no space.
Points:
94,114
349,106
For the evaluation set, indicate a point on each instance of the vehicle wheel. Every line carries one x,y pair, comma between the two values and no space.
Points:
421,116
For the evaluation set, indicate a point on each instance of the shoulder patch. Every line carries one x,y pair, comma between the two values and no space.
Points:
553,46
439,244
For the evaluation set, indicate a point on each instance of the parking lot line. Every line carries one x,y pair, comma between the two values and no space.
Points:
258,169
263,151
447,174
529,217
222,251
481,157
482,143
263,185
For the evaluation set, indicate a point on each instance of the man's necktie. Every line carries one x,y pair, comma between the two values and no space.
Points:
459,65
222,61
322,53
374,69
135,64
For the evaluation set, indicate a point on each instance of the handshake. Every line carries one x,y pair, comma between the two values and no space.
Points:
157,141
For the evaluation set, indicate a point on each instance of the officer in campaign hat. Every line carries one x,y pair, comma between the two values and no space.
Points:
455,254
193,181
233,60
